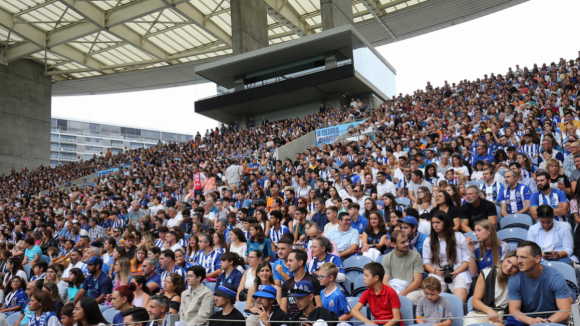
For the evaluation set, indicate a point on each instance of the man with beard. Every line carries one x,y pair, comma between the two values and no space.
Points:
266,309
97,284
556,198
476,209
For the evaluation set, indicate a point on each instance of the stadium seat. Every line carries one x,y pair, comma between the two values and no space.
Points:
210,285
241,306
380,259
352,301
358,287
407,310
499,217
471,183
28,270
456,308
472,235
109,314
535,161
567,271
513,236
104,307
12,319
469,305
356,263
348,284
523,221
216,309
353,274
403,201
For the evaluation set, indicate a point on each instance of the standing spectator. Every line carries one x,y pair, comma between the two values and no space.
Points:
233,174
537,288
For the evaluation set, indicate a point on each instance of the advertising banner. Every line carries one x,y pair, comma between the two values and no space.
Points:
328,135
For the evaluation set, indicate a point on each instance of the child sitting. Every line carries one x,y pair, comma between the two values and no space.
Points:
66,317
383,301
52,253
433,309
332,298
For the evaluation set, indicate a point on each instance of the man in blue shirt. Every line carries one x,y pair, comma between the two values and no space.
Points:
515,198
555,198
409,225
358,222
281,271
230,274
320,216
482,155
345,237
537,288
32,253
97,284
152,278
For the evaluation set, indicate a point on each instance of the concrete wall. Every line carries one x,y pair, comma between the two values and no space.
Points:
290,113
335,13
297,146
249,25
25,108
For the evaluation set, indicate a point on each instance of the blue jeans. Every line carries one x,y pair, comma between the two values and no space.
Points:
564,260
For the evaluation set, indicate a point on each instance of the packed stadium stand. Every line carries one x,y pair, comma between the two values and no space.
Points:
422,185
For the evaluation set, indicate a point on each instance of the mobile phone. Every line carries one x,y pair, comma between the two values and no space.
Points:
547,252
560,180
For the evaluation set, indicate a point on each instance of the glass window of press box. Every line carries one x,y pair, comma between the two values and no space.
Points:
373,69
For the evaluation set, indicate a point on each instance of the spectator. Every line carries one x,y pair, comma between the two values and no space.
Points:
264,277
309,308
416,239
87,312
487,304
553,237
32,254
99,285
547,196
404,267
122,300
416,182
208,258
537,288
254,259
15,300
230,274
444,203
197,302
345,237
168,265
375,234
383,301
476,209
445,251
515,197
320,216
332,297
488,250
225,297
137,316
491,188
296,263
433,306
266,309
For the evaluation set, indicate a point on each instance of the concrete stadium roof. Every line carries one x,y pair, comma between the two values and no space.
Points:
99,47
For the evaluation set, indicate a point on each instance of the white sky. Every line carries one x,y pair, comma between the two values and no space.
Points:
537,31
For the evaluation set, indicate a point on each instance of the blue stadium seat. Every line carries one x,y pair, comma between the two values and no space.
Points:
12,319
513,236
567,271
353,274
356,263
407,310
28,270
499,218
471,183
241,306
523,221
352,301
109,314
380,259
469,305
456,308
472,235
210,285
104,307
403,201
358,287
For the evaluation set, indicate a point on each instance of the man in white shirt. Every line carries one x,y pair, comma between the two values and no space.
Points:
156,205
384,186
171,241
174,218
75,262
233,174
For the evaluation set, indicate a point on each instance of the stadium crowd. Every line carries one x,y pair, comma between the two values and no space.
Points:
469,188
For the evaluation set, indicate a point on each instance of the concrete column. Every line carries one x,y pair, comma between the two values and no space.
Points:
249,25
25,108
335,100
335,13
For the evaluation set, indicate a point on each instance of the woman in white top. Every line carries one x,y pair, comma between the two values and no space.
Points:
14,268
424,207
303,188
399,151
142,292
333,193
53,275
446,248
254,259
238,242
457,164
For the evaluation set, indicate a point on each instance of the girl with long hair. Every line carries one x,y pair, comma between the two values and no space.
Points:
88,313
140,255
118,252
375,234
76,280
54,275
262,219
43,307
264,276
443,202
254,259
192,248
488,250
123,275
259,241
431,174
444,248
489,303
370,205
52,290
453,191
142,292
219,242
14,268
239,243
173,287
180,259
423,205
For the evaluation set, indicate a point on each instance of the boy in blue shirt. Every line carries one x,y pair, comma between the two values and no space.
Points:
230,275
332,298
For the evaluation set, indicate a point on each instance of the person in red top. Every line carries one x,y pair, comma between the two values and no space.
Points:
383,301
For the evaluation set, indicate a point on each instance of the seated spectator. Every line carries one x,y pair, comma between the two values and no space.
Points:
404,267
332,297
375,234
254,259
41,306
313,232
98,285
345,237
304,293
197,302
556,198
33,253
266,309
515,197
225,298
358,221
444,202
537,288
296,263
52,290
408,224
476,209
66,315
488,304
433,308
321,253
15,300
137,316
445,249
553,237
265,277
230,274
259,241
122,300
495,249
383,301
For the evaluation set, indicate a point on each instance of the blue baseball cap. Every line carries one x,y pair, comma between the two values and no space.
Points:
266,291
94,261
227,291
409,220
302,288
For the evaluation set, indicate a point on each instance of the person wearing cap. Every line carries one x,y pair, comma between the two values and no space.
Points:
225,297
303,294
266,309
197,302
404,266
97,284
409,225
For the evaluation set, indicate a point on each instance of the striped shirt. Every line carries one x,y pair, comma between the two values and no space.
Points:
531,150
516,198
210,262
275,236
314,263
119,224
555,197
492,191
159,243
176,270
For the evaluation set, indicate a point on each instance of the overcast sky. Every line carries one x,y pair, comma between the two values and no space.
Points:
537,31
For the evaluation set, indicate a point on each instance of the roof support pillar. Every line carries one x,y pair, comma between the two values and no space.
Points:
335,13
249,25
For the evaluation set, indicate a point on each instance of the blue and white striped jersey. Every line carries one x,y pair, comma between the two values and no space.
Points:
515,198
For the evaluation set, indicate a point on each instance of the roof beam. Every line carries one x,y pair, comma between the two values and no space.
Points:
199,51
33,8
374,10
287,16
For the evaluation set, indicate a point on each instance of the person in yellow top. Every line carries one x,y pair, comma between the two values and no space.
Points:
568,117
